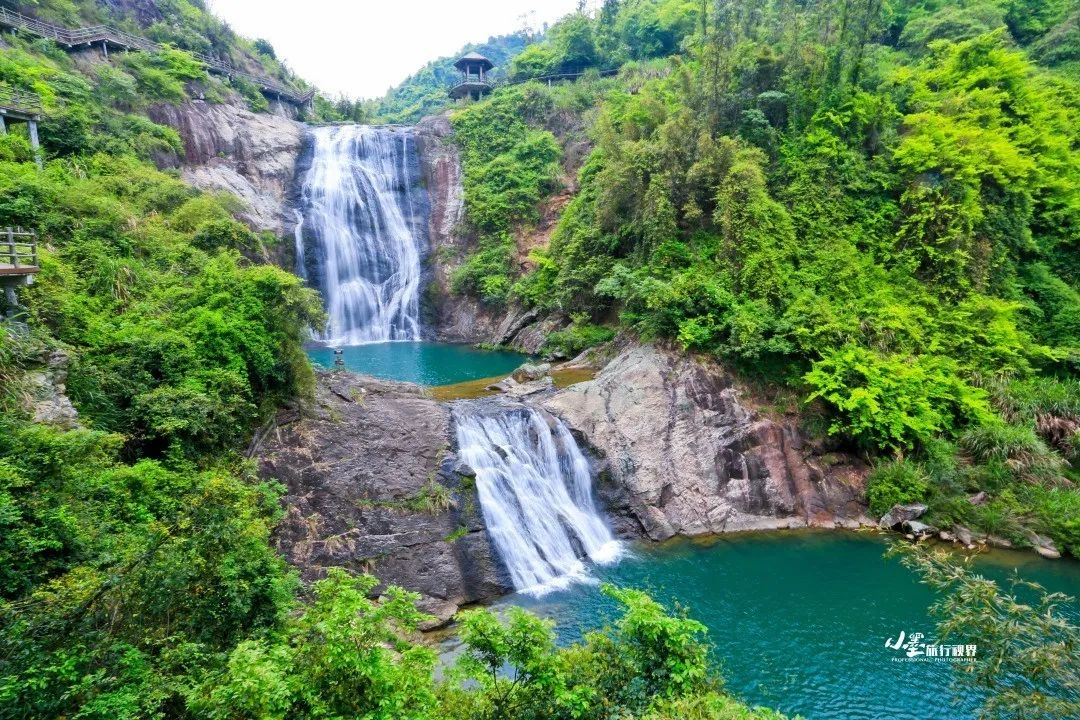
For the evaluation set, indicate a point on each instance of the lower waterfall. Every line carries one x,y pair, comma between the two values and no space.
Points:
535,492
360,233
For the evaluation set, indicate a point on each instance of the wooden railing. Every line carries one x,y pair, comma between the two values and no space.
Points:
18,251
94,34
21,101
549,79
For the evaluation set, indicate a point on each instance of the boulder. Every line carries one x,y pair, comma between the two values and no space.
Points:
682,453
532,387
919,529
462,468
900,514
1048,552
46,397
531,371
978,498
1043,545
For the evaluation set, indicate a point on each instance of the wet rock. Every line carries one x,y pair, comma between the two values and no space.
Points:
963,534
360,470
900,514
1048,553
682,454
463,468
946,536
443,612
998,542
1043,545
919,529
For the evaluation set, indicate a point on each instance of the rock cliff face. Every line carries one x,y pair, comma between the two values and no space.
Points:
456,318
683,455
252,155
372,488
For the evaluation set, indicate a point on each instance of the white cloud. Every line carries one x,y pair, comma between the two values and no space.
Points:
360,49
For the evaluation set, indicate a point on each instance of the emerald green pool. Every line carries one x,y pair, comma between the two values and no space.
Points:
799,621
426,363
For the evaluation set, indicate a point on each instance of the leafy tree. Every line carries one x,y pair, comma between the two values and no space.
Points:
1027,663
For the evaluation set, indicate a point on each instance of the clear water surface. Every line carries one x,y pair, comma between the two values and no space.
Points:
799,620
426,363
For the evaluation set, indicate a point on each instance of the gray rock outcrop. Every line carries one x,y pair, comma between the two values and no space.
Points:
900,514
229,148
46,395
682,454
372,486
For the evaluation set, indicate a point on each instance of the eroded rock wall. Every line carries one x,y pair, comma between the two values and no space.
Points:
684,454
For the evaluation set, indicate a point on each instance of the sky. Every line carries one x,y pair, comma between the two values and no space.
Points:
362,48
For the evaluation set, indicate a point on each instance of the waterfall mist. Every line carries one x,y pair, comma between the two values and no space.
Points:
535,492
361,228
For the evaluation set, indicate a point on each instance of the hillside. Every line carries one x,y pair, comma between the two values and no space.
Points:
874,220
138,571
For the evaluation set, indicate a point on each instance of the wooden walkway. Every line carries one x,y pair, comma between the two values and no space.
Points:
19,104
18,252
107,37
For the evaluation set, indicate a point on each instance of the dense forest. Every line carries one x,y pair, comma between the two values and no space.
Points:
869,209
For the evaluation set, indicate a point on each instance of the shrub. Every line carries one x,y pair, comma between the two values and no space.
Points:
892,401
900,482
580,336
1017,446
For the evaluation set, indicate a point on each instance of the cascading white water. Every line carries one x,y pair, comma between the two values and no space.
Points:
535,492
359,215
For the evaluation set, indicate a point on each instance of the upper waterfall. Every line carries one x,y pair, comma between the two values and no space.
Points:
535,492
362,229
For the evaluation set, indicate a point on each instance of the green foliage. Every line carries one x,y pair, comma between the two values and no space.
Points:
894,402
508,167
886,217
185,345
648,663
580,335
163,75
134,555
345,656
113,573
1028,662
1016,446
899,482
